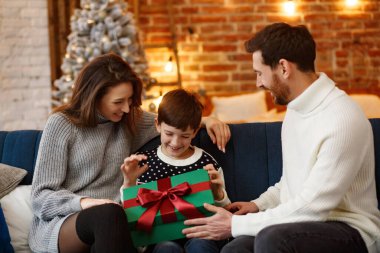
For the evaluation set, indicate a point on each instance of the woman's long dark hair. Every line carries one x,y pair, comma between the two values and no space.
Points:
93,82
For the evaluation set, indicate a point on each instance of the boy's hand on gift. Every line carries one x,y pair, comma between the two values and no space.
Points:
218,131
90,202
216,227
132,170
216,182
239,208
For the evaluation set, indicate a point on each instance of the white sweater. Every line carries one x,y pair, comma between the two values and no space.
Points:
328,167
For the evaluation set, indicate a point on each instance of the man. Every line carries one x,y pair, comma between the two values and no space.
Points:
326,199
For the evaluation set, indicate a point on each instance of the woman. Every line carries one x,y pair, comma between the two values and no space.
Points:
75,189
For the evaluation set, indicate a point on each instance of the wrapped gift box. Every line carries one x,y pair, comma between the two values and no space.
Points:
158,214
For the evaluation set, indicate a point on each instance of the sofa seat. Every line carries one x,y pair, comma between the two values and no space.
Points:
252,162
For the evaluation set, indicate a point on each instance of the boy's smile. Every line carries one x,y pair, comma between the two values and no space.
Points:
175,142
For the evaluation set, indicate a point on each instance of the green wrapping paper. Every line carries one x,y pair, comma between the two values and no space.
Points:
170,225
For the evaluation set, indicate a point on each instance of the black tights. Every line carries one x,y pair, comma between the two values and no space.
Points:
98,229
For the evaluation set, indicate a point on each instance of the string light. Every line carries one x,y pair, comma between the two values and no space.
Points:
80,60
169,65
351,3
68,78
289,7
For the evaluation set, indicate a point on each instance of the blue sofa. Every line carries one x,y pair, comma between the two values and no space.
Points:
252,161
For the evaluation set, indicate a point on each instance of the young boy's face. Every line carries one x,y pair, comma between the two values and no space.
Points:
175,142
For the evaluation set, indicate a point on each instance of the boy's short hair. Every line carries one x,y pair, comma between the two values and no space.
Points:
180,109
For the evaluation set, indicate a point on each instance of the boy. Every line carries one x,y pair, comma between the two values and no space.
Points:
178,121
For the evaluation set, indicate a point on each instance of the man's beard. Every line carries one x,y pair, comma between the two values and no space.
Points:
280,91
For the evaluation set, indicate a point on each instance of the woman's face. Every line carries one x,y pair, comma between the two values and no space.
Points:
116,102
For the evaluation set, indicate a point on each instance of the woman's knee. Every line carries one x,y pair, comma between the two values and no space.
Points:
100,218
113,214
111,210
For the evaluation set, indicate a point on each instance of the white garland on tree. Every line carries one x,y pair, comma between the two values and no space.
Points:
100,27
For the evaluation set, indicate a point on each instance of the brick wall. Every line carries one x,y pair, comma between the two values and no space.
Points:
24,64
210,42
213,56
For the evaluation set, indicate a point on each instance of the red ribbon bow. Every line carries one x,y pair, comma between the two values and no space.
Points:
165,201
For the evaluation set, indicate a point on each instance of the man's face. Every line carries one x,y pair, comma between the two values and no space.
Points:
270,80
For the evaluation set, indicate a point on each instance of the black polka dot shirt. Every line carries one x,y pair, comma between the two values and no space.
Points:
162,166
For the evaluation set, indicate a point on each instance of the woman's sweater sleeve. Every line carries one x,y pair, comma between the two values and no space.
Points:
48,197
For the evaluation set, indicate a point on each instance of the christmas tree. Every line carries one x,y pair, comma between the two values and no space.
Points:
99,27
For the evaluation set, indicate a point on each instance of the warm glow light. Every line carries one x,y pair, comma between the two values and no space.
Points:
290,7
153,106
68,78
80,60
158,101
351,3
105,39
169,65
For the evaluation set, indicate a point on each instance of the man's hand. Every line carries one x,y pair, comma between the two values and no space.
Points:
131,169
218,131
239,208
216,227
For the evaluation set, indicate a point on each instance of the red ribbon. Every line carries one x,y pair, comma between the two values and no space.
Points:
165,199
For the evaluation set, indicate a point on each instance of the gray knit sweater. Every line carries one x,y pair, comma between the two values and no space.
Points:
73,163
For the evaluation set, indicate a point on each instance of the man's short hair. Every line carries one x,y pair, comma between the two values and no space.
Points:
283,41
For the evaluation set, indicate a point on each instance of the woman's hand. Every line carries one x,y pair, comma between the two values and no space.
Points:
131,169
218,131
90,202
216,182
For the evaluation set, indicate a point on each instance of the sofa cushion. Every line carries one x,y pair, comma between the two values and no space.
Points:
19,149
376,136
10,177
18,214
5,239
235,109
369,103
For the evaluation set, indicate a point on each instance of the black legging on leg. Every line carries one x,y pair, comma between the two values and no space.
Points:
98,229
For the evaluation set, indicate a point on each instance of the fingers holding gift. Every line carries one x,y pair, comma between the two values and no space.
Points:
240,208
214,175
215,227
132,170
216,182
134,159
